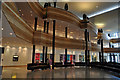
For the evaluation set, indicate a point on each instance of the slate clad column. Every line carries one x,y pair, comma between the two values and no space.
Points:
43,59
86,49
113,57
35,28
110,47
88,56
46,47
66,48
102,51
98,42
85,21
53,44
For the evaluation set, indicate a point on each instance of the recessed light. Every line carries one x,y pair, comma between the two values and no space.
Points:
71,32
99,25
11,33
96,6
20,10
108,30
2,29
30,11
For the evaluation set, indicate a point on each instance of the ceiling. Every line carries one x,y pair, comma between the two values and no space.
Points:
107,21
110,22
73,32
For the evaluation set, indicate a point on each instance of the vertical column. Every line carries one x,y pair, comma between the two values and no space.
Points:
85,21
113,57
46,47
110,53
98,42
0,40
88,56
43,59
0,63
102,50
100,57
35,28
53,44
54,4
86,50
66,48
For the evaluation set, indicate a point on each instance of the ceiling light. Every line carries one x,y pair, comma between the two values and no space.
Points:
96,6
20,10
11,33
104,11
71,32
31,14
30,11
2,29
22,14
99,25
108,30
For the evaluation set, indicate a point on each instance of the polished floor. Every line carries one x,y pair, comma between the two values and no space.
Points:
81,72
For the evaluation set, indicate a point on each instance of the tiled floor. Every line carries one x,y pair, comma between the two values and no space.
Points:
82,72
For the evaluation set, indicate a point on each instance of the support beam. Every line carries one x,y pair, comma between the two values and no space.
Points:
86,42
43,59
35,28
110,57
100,57
46,47
54,4
53,44
66,48
113,57
110,53
102,51
88,56
33,57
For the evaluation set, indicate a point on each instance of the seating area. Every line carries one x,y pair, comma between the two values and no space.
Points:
110,66
34,66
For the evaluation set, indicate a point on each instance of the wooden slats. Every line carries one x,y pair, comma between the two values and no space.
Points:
20,28
61,42
111,50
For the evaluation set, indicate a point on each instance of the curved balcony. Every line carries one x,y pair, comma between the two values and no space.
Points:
117,40
112,50
24,31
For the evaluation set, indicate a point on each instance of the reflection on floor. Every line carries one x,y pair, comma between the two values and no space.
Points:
81,72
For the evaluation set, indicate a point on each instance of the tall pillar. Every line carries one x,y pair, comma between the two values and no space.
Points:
66,48
88,56
110,53
110,47
53,44
54,4
85,21
102,51
86,49
43,59
100,57
98,42
113,57
46,47
35,28
0,62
